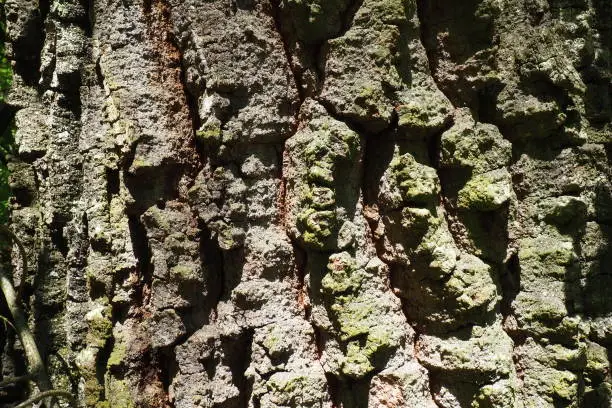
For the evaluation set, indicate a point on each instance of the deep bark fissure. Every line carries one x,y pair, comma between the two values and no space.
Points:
102,358
510,284
152,374
99,74
447,195
349,17
58,239
420,10
142,252
190,99
432,391
434,142
26,53
300,276
278,26
391,268
301,255
508,291
112,182
334,390
213,264
166,358
238,363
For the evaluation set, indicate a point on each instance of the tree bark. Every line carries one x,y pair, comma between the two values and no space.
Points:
310,203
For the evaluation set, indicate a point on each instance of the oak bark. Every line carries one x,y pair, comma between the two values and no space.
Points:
314,203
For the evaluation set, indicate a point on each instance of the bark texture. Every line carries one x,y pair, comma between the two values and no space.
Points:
315,203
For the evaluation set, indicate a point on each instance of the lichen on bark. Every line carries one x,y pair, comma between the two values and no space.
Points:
306,203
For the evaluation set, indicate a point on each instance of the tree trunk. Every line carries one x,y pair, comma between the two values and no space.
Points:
314,203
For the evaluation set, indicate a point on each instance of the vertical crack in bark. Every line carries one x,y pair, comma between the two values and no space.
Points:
510,284
238,364
112,183
160,30
59,241
282,193
27,50
44,6
102,358
278,26
334,384
142,252
420,9
99,74
152,375
161,365
510,281
300,276
368,158
349,16
212,257
167,367
283,161
431,378
434,147
334,390
297,79
190,99
432,390
301,255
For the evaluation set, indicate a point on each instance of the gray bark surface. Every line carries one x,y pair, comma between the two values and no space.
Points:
311,203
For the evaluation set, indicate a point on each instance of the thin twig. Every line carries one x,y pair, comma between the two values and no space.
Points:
46,394
22,252
7,322
35,361
14,380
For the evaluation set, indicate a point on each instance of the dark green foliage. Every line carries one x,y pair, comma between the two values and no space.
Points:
6,136
5,65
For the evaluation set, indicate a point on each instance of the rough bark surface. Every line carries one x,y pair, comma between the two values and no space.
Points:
314,203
